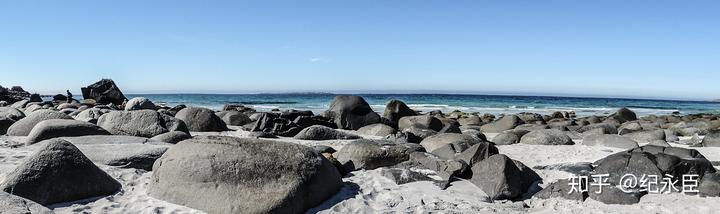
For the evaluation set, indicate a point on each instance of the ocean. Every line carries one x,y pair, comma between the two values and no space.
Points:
494,104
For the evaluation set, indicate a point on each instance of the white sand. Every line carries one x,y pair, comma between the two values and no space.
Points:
369,192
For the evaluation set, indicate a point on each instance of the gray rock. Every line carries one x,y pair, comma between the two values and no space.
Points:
402,176
368,154
609,140
712,139
377,129
531,127
509,137
219,174
318,132
118,150
53,128
11,113
472,120
604,128
58,172
459,141
623,115
11,204
140,123
89,114
561,189
24,126
502,178
477,153
396,109
422,122
614,195
502,124
234,118
710,185
201,120
547,137
419,132
172,137
139,103
646,136
351,112
659,143
20,104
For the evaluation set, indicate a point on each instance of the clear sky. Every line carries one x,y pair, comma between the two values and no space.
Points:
657,48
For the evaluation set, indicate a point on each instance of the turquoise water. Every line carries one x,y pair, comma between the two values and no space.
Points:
494,104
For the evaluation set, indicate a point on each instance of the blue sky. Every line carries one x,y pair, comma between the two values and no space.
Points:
667,49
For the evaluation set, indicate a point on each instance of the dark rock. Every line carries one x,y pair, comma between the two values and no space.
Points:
501,177
323,149
5,123
451,128
509,137
24,126
307,121
273,124
368,154
404,137
614,195
234,118
103,92
58,172
351,112
396,109
561,189
140,123
318,132
547,137
502,124
477,153
35,98
448,145
420,132
422,122
605,128
53,128
202,173
201,120
623,115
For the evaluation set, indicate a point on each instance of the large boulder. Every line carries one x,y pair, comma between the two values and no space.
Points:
141,123
599,128
609,140
12,113
139,103
104,92
396,109
11,204
369,154
58,172
351,112
201,120
220,174
318,132
92,114
377,129
62,128
502,124
422,122
503,178
24,126
562,189
712,139
118,150
234,118
654,160
547,137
